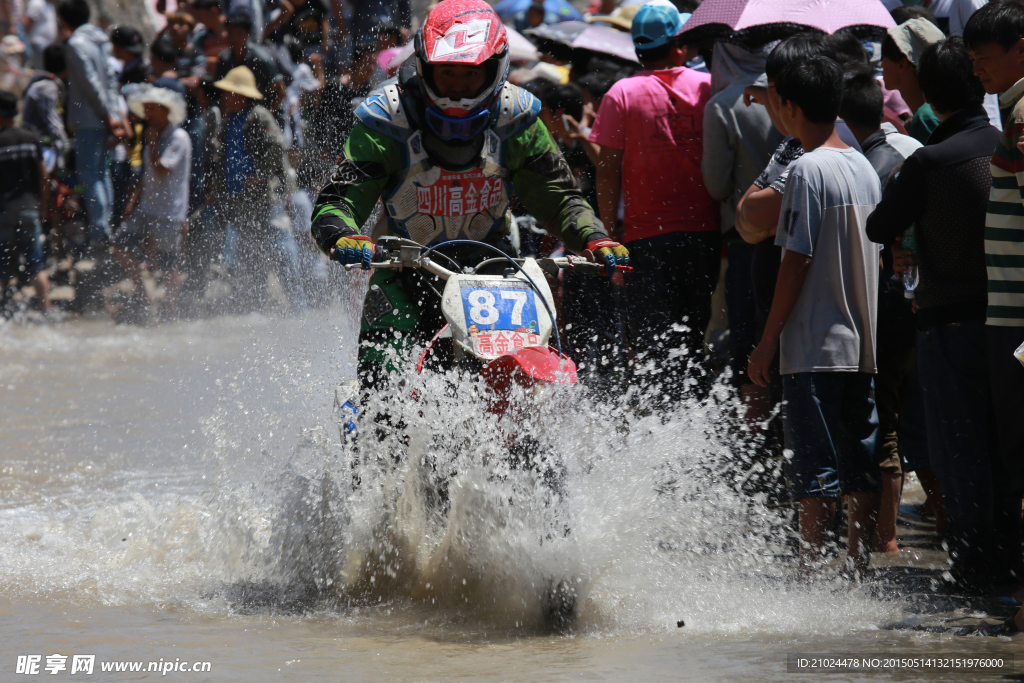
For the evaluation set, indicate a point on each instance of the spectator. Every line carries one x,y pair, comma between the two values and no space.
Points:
93,113
205,244
886,149
942,190
880,142
180,26
22,178
535,15
41,27
190,71
254,186
951,15
738,142
270,80
368,16
154,226
593,328
45,99
822,319
995,39
163,57
211,36
757,214
128,48
906,12
650,130
310,26
901,49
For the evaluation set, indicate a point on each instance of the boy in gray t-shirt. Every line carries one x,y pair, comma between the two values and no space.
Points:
829,196
823,317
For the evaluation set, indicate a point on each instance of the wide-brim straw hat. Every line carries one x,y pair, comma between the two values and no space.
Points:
165,97
241,81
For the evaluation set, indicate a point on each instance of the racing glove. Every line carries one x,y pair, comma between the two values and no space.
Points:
353,249
612,253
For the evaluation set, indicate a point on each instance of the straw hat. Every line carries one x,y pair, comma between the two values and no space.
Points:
241,81
621,17
165,97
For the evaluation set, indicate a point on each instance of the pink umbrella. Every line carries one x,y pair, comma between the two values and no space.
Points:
756,22
606,40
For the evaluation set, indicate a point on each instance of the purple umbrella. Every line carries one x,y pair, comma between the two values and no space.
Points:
756,22
606,40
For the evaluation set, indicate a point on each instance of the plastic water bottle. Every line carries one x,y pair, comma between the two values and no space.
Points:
910,275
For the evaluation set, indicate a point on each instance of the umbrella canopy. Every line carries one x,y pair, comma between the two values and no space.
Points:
507,9
606,40
520,50
756,22
556,39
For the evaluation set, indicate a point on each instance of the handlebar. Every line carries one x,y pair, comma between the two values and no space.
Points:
393,253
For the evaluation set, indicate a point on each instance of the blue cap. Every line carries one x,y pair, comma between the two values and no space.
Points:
655,24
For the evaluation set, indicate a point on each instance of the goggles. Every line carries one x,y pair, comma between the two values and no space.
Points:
457,128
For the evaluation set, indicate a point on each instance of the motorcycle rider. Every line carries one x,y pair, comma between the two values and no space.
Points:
445,147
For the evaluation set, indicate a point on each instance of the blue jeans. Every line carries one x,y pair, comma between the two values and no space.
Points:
831,427
93,174
953,368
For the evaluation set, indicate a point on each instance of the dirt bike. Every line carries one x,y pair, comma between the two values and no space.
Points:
499,326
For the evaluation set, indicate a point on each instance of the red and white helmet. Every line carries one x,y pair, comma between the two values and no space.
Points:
462,32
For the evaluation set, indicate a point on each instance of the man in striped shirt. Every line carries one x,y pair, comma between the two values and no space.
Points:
995,38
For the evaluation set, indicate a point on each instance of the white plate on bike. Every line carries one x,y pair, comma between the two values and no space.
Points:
493,315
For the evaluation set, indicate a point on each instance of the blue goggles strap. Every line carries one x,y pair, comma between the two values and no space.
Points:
462,128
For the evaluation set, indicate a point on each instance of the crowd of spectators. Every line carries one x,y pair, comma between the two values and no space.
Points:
867,204
190,157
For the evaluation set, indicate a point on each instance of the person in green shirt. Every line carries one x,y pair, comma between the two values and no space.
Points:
902,48
445,148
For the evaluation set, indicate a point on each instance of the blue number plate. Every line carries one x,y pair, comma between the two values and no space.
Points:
508,307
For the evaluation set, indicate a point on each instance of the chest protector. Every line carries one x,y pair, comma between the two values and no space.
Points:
429,204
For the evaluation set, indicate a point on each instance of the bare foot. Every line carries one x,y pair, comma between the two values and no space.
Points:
1018,595
890,548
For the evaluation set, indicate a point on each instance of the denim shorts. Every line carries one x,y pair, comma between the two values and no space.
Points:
831,428
22,233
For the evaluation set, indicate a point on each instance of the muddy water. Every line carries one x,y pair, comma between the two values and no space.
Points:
180,494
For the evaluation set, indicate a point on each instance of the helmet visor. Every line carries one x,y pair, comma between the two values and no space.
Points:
457,128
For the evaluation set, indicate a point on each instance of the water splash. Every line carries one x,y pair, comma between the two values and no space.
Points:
640,515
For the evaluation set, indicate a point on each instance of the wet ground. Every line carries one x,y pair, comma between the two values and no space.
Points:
155,497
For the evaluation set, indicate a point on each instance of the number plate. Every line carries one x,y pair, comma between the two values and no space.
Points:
511,306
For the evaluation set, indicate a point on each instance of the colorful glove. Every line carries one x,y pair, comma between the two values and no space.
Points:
612,253
353,249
